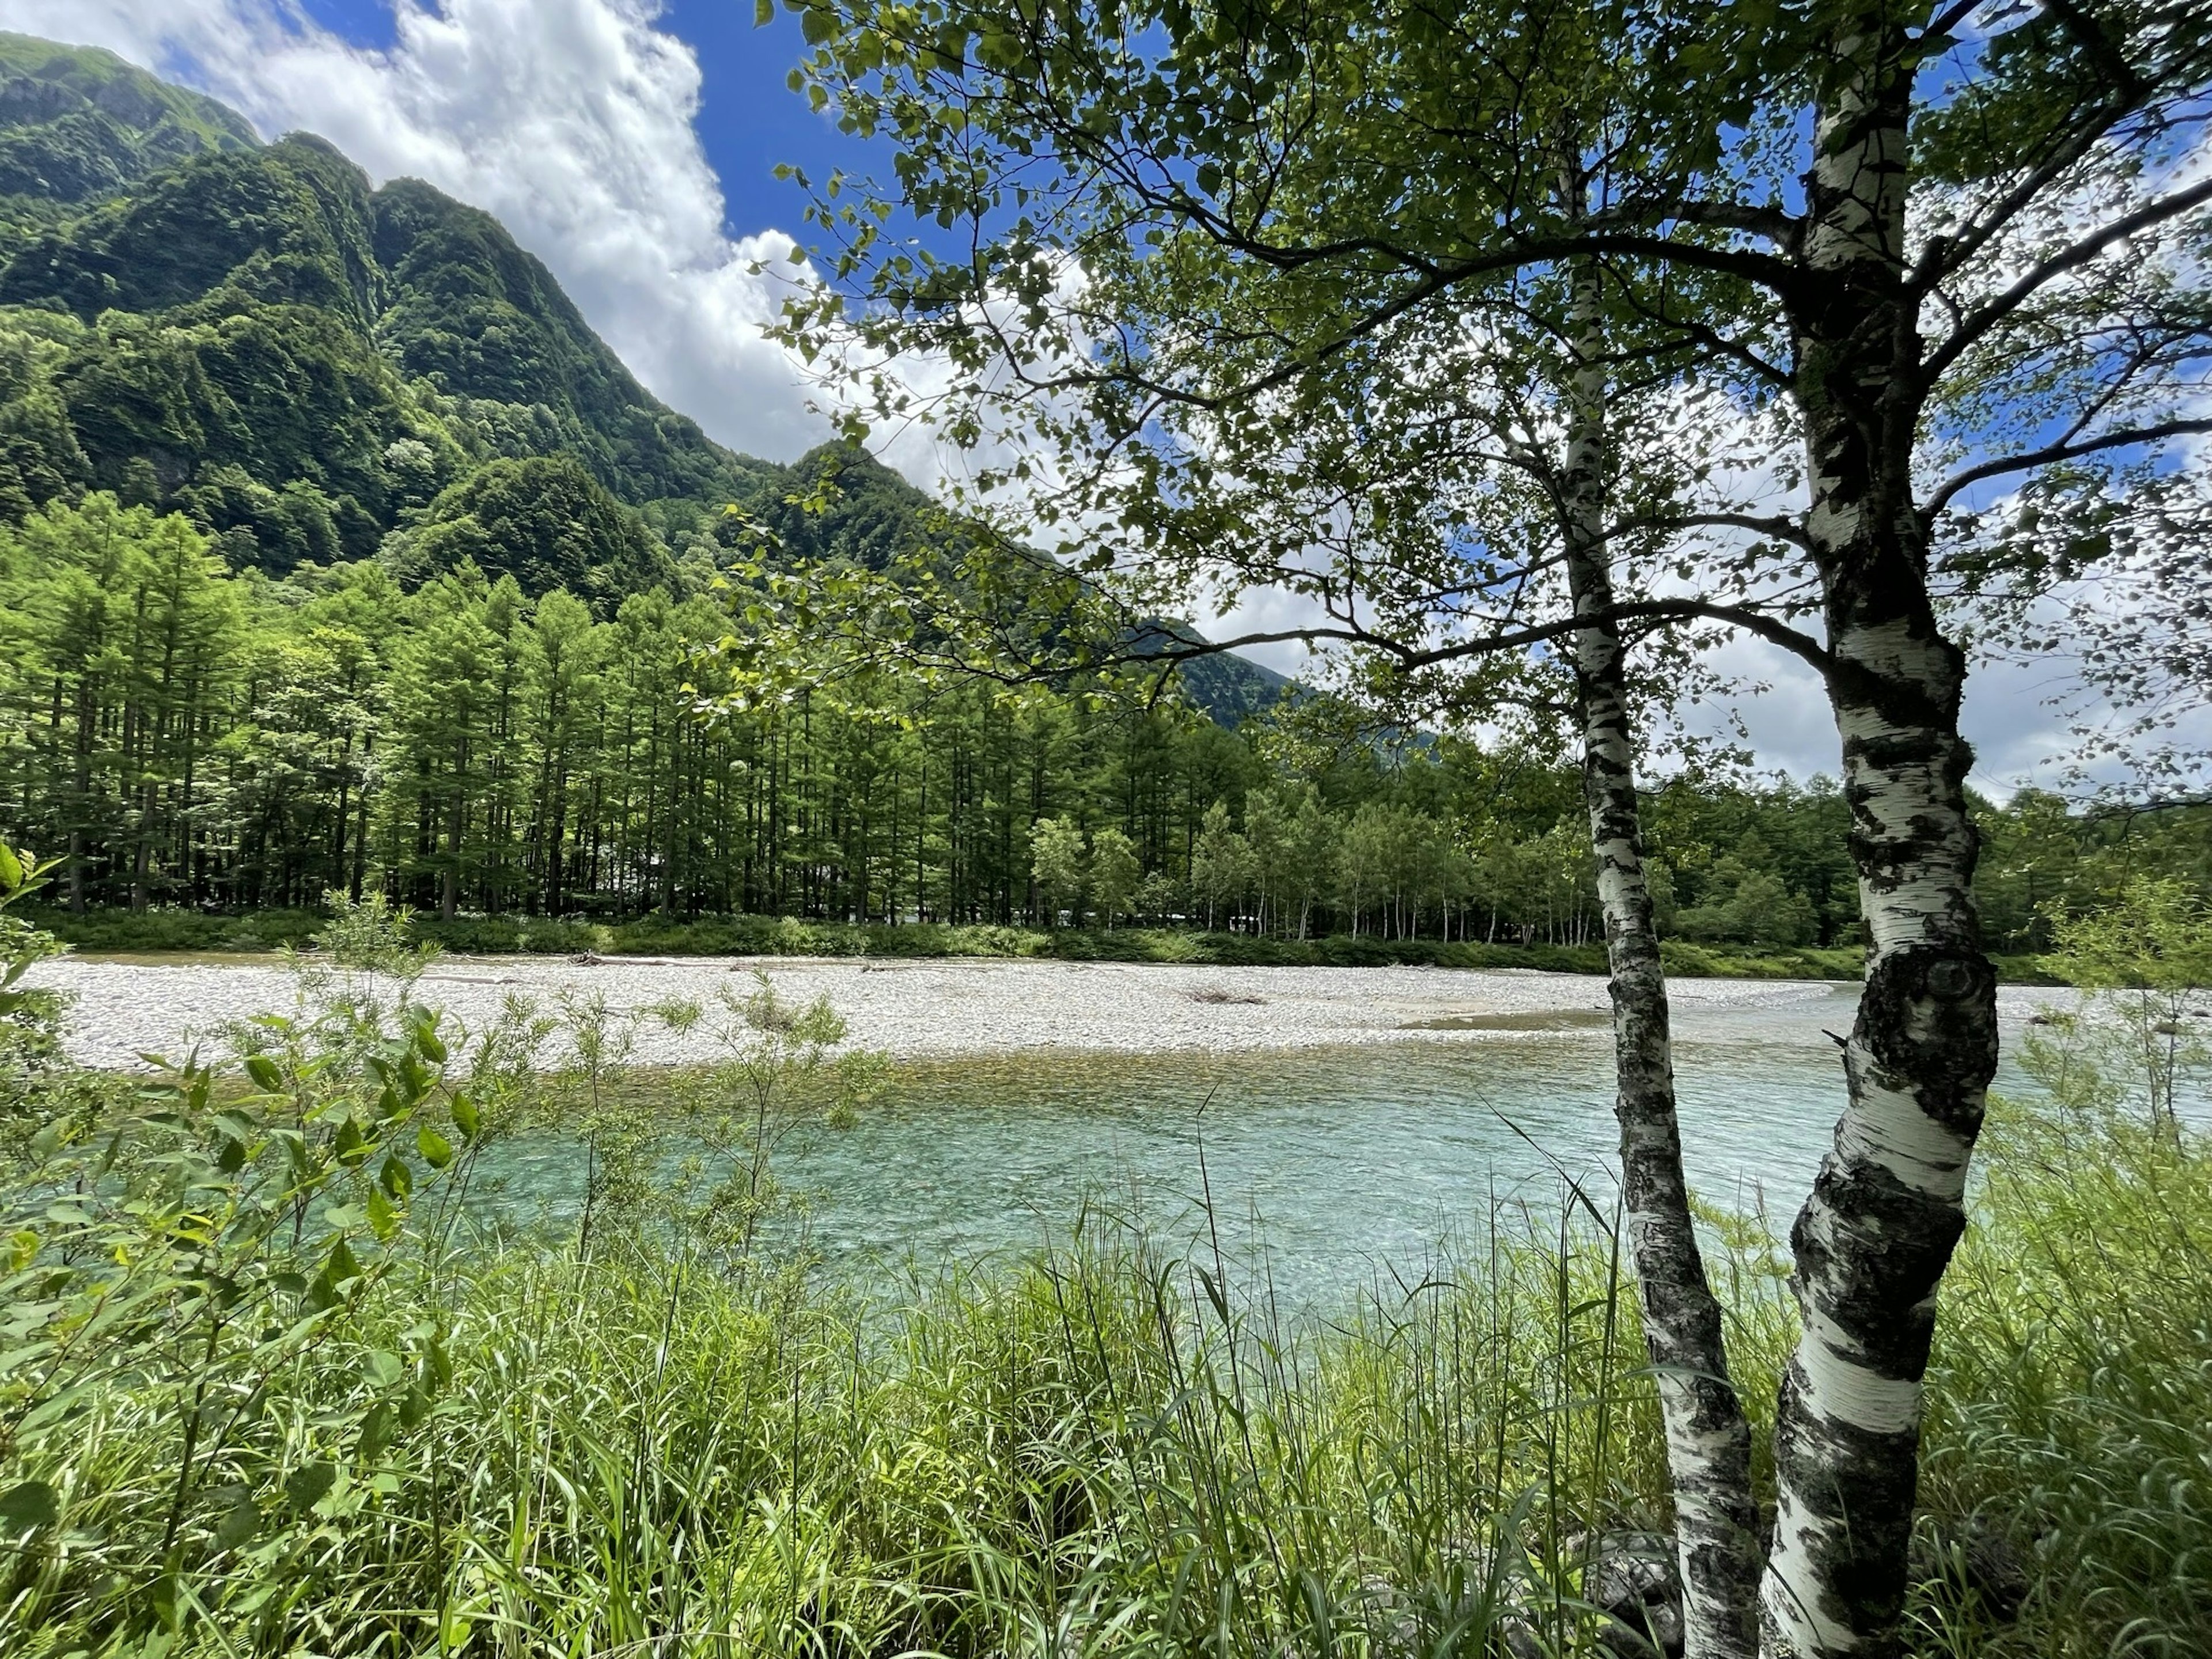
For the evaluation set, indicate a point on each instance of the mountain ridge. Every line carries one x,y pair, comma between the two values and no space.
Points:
76,121
316,369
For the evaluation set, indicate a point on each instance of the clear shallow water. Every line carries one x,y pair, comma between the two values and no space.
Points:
1332,1164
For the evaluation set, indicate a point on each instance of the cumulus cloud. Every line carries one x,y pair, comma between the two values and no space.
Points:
569,120
572,122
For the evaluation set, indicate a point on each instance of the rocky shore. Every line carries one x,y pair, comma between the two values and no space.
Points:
128,1007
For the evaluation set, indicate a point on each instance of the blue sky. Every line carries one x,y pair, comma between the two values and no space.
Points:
631,144
749,120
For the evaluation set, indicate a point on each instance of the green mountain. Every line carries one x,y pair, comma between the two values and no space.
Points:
317,370
253,334
77,124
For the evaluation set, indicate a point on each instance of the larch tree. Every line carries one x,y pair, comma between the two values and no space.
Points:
1953,252
457,675
1057,863
561,674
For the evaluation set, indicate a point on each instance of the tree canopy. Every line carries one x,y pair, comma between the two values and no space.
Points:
1348,304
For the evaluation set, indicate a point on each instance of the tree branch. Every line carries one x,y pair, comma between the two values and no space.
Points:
1782,526
2052,453
1406,655
1980,321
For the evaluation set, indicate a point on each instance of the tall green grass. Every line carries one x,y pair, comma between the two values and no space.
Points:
2072,1411
1102,1449
264,1390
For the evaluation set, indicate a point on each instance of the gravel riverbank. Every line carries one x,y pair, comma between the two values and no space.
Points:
126,1007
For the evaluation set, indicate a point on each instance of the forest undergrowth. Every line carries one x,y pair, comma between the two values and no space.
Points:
267,1386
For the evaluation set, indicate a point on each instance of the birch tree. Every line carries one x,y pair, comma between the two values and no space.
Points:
1948,249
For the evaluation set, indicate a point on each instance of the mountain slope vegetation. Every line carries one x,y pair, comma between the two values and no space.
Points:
77,124
315,370
259,338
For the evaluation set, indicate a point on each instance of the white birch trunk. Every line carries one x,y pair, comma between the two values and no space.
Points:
1888,1206
1708,1439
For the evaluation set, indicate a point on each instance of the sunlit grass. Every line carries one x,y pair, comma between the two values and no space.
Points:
1105,1449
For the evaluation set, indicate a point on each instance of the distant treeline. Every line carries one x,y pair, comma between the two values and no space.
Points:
188,737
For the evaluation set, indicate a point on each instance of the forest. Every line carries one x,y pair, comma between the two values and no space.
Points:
191,737
341,556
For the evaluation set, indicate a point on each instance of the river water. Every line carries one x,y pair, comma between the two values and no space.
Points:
1331,1125
1334,1167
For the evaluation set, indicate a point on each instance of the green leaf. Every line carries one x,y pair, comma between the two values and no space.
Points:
11,869
340,1268
239,1523
465,1117
306,1487
161,1600
28,1506
383,1219
375,1433
395,1178
383,1368
763,13
265,1073
437,1150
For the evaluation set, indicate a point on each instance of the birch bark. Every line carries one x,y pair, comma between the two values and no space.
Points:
1708,1439
1889,1205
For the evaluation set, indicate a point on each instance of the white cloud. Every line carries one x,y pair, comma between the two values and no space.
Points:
569,120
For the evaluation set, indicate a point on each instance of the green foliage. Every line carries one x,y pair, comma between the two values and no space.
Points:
218,1237
1746,902
284,226
2070,1387
1220,861
1115,872
2144,965
372,935
129,613
287,1416
194,741
546,524
298,360
1057,863
2156,938
360,392
264,1387
484,321
77,124
780,1071
30,1019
